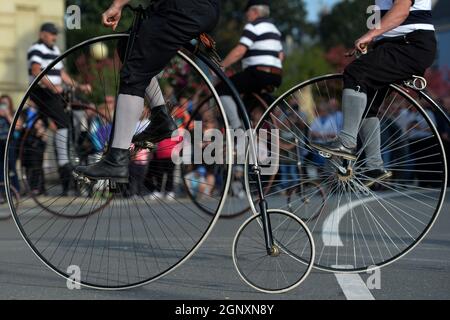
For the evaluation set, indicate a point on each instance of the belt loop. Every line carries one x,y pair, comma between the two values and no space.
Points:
406,39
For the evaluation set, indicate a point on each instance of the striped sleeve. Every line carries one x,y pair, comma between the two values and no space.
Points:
35,56
248,36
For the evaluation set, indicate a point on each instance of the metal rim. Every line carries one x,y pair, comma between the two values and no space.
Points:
408,97
211,225
310,263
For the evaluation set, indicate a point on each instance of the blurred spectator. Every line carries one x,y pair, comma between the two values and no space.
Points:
110,102
196,181
237,185
323,128
288,153
421,150
139,161
442,123
33,156
99,131
160,174
181,115
6,119
336,114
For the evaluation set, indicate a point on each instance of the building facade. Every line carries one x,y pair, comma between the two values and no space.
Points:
20,21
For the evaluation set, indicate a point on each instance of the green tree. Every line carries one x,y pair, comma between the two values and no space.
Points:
345,23
289,15
304,64
91,26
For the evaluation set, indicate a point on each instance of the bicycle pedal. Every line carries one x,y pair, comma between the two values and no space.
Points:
80,179
145,145
325,155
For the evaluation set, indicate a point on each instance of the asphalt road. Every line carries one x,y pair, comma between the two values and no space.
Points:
210,273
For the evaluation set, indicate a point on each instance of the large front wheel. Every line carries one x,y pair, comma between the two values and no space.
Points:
365,222
149,226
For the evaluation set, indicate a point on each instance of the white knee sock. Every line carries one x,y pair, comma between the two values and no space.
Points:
128,112
232,111
154,95
370,136
353,107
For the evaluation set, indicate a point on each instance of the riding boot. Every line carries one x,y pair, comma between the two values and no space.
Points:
161,127
113,166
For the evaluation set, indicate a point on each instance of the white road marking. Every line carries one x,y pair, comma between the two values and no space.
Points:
354,287
330,231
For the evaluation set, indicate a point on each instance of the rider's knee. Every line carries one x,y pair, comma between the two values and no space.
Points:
353,81
133,87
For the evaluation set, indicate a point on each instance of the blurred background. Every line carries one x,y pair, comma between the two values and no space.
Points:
316,34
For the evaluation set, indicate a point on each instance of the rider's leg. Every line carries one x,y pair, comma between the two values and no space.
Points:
354,102
232,111
353,106
162,124
389,62
157,41
242,82
246,82
371,140
52,106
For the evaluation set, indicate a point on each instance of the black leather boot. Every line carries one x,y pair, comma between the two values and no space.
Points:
336,148
113,166
161,127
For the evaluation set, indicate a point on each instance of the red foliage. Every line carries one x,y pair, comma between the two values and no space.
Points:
336,57
439,82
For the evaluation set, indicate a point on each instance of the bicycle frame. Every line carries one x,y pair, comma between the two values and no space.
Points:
138,14
252,142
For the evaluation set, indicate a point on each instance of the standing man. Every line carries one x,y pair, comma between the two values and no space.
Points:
171,24
47,96
261,52
404,45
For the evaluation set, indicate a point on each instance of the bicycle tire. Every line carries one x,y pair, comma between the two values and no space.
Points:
336,255
114,273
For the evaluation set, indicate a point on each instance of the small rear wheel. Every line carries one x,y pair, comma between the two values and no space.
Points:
292,255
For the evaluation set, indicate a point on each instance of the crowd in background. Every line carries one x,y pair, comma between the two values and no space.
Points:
154,173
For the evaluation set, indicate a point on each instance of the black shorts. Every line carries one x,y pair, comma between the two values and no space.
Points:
392,60
50,105
251,81
168,26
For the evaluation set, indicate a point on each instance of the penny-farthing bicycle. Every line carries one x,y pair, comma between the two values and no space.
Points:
139,238
365,223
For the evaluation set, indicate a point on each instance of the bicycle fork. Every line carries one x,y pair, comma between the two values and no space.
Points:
271,248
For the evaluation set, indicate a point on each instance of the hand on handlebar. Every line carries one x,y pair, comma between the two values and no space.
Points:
112,16
361,46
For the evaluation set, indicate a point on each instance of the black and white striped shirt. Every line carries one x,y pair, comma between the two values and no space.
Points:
263,40
420,17
43,55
